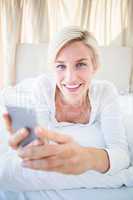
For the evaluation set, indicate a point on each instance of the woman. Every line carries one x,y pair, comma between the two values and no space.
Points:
86,132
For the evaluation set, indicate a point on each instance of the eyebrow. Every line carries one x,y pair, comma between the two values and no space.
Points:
79,60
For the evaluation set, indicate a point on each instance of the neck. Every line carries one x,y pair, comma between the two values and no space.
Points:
73,103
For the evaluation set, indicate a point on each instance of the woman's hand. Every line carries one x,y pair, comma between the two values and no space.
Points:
64,155
15,139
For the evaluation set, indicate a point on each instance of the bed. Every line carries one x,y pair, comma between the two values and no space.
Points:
116,59
78,194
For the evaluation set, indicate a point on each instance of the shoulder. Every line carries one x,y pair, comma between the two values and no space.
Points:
44,82
103,93
103,87
40,82
44,88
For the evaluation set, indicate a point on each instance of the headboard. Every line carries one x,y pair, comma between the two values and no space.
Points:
115,66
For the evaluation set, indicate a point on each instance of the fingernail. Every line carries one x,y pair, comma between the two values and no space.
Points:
35,143
5,114
24,131
39,129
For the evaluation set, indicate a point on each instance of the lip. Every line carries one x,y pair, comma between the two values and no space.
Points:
72,88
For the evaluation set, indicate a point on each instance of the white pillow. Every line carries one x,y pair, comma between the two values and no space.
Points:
128,122
126,103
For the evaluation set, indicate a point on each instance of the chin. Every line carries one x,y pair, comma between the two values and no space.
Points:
73,97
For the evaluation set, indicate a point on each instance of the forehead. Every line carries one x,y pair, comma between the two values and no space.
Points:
74,50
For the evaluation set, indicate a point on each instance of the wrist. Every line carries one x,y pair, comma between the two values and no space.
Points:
97,159
89,158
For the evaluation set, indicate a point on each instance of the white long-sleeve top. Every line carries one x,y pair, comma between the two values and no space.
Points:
105,130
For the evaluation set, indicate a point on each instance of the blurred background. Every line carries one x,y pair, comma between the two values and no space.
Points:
27,26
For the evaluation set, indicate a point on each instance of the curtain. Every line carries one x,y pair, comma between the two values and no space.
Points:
31,21
9,27
21,21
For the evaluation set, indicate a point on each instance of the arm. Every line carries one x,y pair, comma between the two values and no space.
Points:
115,155
99,159
114,131
13,177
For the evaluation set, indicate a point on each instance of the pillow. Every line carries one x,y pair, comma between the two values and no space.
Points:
128,122
126,103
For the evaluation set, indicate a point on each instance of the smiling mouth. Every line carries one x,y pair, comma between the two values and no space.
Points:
72,87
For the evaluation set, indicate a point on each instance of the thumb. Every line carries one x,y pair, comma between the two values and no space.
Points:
8,122
51,135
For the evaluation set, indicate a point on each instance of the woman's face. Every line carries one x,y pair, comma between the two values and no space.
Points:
74,71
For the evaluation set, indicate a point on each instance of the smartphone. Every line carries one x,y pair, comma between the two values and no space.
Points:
24,118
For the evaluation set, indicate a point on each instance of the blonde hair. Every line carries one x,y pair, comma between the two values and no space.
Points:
71,34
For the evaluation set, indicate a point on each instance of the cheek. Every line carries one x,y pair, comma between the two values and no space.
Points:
59,77
86,75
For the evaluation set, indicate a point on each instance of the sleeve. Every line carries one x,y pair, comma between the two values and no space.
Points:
113,130
13,177
18,95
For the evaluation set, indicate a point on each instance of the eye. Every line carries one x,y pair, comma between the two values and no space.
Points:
81,64
60,67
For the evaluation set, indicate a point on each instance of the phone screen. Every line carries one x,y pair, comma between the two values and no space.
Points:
23,118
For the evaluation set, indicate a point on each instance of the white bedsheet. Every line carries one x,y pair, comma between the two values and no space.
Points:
122,193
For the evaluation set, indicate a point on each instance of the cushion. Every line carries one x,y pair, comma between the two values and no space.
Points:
126,103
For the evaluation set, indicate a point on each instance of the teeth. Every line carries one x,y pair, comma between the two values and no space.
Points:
72,86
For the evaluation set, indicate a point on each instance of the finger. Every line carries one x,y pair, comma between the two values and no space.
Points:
36,142
39,142
50,135
49,164
18,137
8,122
38,152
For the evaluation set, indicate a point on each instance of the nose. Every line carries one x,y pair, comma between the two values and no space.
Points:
70,76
